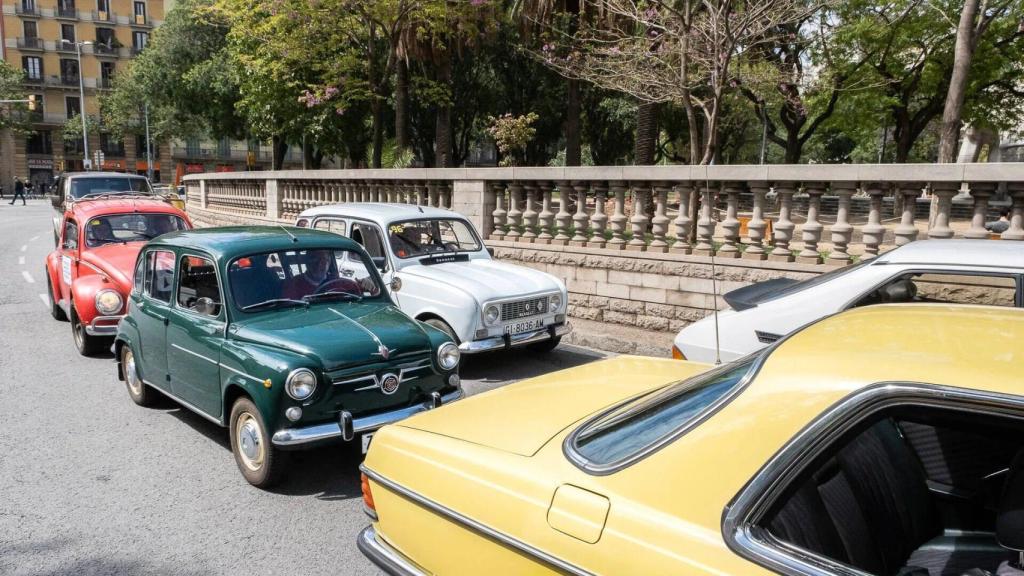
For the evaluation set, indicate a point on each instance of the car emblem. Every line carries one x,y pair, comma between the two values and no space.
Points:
383,351
389,384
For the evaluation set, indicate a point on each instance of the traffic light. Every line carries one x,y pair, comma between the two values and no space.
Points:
31,102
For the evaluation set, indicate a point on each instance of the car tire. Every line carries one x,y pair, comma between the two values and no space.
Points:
138,391
443,327
258,460
87,345
545,346
55,310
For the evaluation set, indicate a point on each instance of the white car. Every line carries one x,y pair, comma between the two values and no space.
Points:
952,271
440,272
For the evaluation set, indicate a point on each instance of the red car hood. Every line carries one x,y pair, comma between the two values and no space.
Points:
117,261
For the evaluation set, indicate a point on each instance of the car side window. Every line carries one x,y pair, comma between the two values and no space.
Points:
946,288
369,237
331,225
70,235
159,283
198,289
140,275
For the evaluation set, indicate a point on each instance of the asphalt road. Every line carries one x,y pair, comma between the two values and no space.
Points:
92,484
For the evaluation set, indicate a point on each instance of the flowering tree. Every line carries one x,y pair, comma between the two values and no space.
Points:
512,134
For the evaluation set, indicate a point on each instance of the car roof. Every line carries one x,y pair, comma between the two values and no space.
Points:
229,242
85,209
380,211
994,253
79,175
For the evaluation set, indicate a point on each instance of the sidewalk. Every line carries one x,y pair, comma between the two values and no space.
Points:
620,339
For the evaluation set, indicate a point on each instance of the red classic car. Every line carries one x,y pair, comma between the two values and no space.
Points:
90,273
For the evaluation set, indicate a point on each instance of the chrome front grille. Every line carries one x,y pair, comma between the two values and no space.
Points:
524,308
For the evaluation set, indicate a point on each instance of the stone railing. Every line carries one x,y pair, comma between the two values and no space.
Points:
621,236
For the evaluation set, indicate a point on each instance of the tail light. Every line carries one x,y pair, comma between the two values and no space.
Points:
364,483
677,353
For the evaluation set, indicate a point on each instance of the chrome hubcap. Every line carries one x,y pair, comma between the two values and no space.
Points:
130,376
250,441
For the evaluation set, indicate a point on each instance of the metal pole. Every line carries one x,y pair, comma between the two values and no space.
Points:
81,93
149,149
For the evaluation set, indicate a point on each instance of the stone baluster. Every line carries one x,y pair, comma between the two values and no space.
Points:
529,213
811,231
874,232
659,223
638,222
432,194
563,217
757,225
515,215
905,232
731,225
579,219
706,222
1016,229
784,227
445,196
545,220
980,192
944,191
598,219
618,219
682,221
842,231
499,214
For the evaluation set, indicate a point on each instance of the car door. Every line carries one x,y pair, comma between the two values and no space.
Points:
195,333
369,236
154,306
68,260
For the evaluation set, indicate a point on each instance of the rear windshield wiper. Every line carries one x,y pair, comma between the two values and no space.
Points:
275,302
332,294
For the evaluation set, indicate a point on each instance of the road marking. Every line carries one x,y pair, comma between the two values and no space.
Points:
34,238
24,247
45,299
28,277
21,260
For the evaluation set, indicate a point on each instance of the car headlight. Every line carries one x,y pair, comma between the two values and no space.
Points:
448,356
108,302
556,302
301,383
491,314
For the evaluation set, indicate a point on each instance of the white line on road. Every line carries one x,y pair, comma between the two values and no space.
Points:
28,277
34,238
21,260
24,247
45,299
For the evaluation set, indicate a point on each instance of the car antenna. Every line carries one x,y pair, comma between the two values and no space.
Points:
294,239
714,274
421,209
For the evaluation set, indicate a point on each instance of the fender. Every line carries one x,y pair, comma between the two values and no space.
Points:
248,367
127,331
83,295
53,272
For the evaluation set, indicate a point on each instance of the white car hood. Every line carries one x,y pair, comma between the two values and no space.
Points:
487,280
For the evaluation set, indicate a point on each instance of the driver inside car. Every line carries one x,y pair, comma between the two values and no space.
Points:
100,232
321,276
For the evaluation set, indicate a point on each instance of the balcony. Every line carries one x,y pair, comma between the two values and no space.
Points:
26,10
108,16
102,49
34,80
67,12
33,43
63,81
65,46
136,50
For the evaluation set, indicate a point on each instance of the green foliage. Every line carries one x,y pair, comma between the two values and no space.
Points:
72,128
512,134
14,116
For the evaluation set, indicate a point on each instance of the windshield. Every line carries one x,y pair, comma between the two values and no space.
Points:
300,277
136,227
94,186
431,236
651,420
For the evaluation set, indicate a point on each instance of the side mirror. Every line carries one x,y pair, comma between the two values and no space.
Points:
490,251
206,306
380,262
396,283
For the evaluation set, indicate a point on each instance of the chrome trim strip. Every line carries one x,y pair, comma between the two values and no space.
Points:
196,354
318,432
239,372
364,329
385,557
191,407
748,507
475,526
498,342
376,380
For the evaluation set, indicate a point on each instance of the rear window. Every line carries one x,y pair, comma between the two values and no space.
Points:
642,425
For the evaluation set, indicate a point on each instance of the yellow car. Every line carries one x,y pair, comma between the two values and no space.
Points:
886,440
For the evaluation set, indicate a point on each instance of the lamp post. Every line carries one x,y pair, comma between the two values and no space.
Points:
149,148
81,94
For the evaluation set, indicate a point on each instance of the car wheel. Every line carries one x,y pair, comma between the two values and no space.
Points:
87,345
260,462
55,310
545,346
139,392
443,327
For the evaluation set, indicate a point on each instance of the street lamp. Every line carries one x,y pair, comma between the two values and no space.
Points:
81,95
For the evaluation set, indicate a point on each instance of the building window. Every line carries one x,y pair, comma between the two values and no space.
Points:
107,74
68,71
67,33
39,143
30,29
139,40
111,145
28,6
73,106
33,66
103,6
140,148
73,147
140,11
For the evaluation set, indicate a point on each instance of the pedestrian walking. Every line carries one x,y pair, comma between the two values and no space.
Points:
19,190
1,191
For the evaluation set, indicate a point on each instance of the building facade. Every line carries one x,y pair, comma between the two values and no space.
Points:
70,51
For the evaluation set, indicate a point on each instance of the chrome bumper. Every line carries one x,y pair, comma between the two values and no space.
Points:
107,330
385,557
293,437
506,341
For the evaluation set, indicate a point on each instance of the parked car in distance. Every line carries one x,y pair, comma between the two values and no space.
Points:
949,271
89,274
884,440
258,329
448,278
73,186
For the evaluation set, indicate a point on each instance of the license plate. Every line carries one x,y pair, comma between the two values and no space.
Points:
524,326
366,442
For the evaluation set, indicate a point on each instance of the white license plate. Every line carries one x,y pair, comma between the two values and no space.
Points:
366,442
524,326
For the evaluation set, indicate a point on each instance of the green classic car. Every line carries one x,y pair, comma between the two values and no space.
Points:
286,336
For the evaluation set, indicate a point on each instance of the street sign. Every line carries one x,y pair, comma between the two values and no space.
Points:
87,164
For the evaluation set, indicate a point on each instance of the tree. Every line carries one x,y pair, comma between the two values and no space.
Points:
512,134
12,116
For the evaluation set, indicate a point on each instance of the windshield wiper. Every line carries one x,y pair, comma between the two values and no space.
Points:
274,302
332,294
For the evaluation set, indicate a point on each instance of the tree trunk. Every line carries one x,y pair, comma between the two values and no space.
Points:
443,125
317,162
711,142
401,106
965,43
307,153
377,111
573,151
280,148
693,128
646,140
